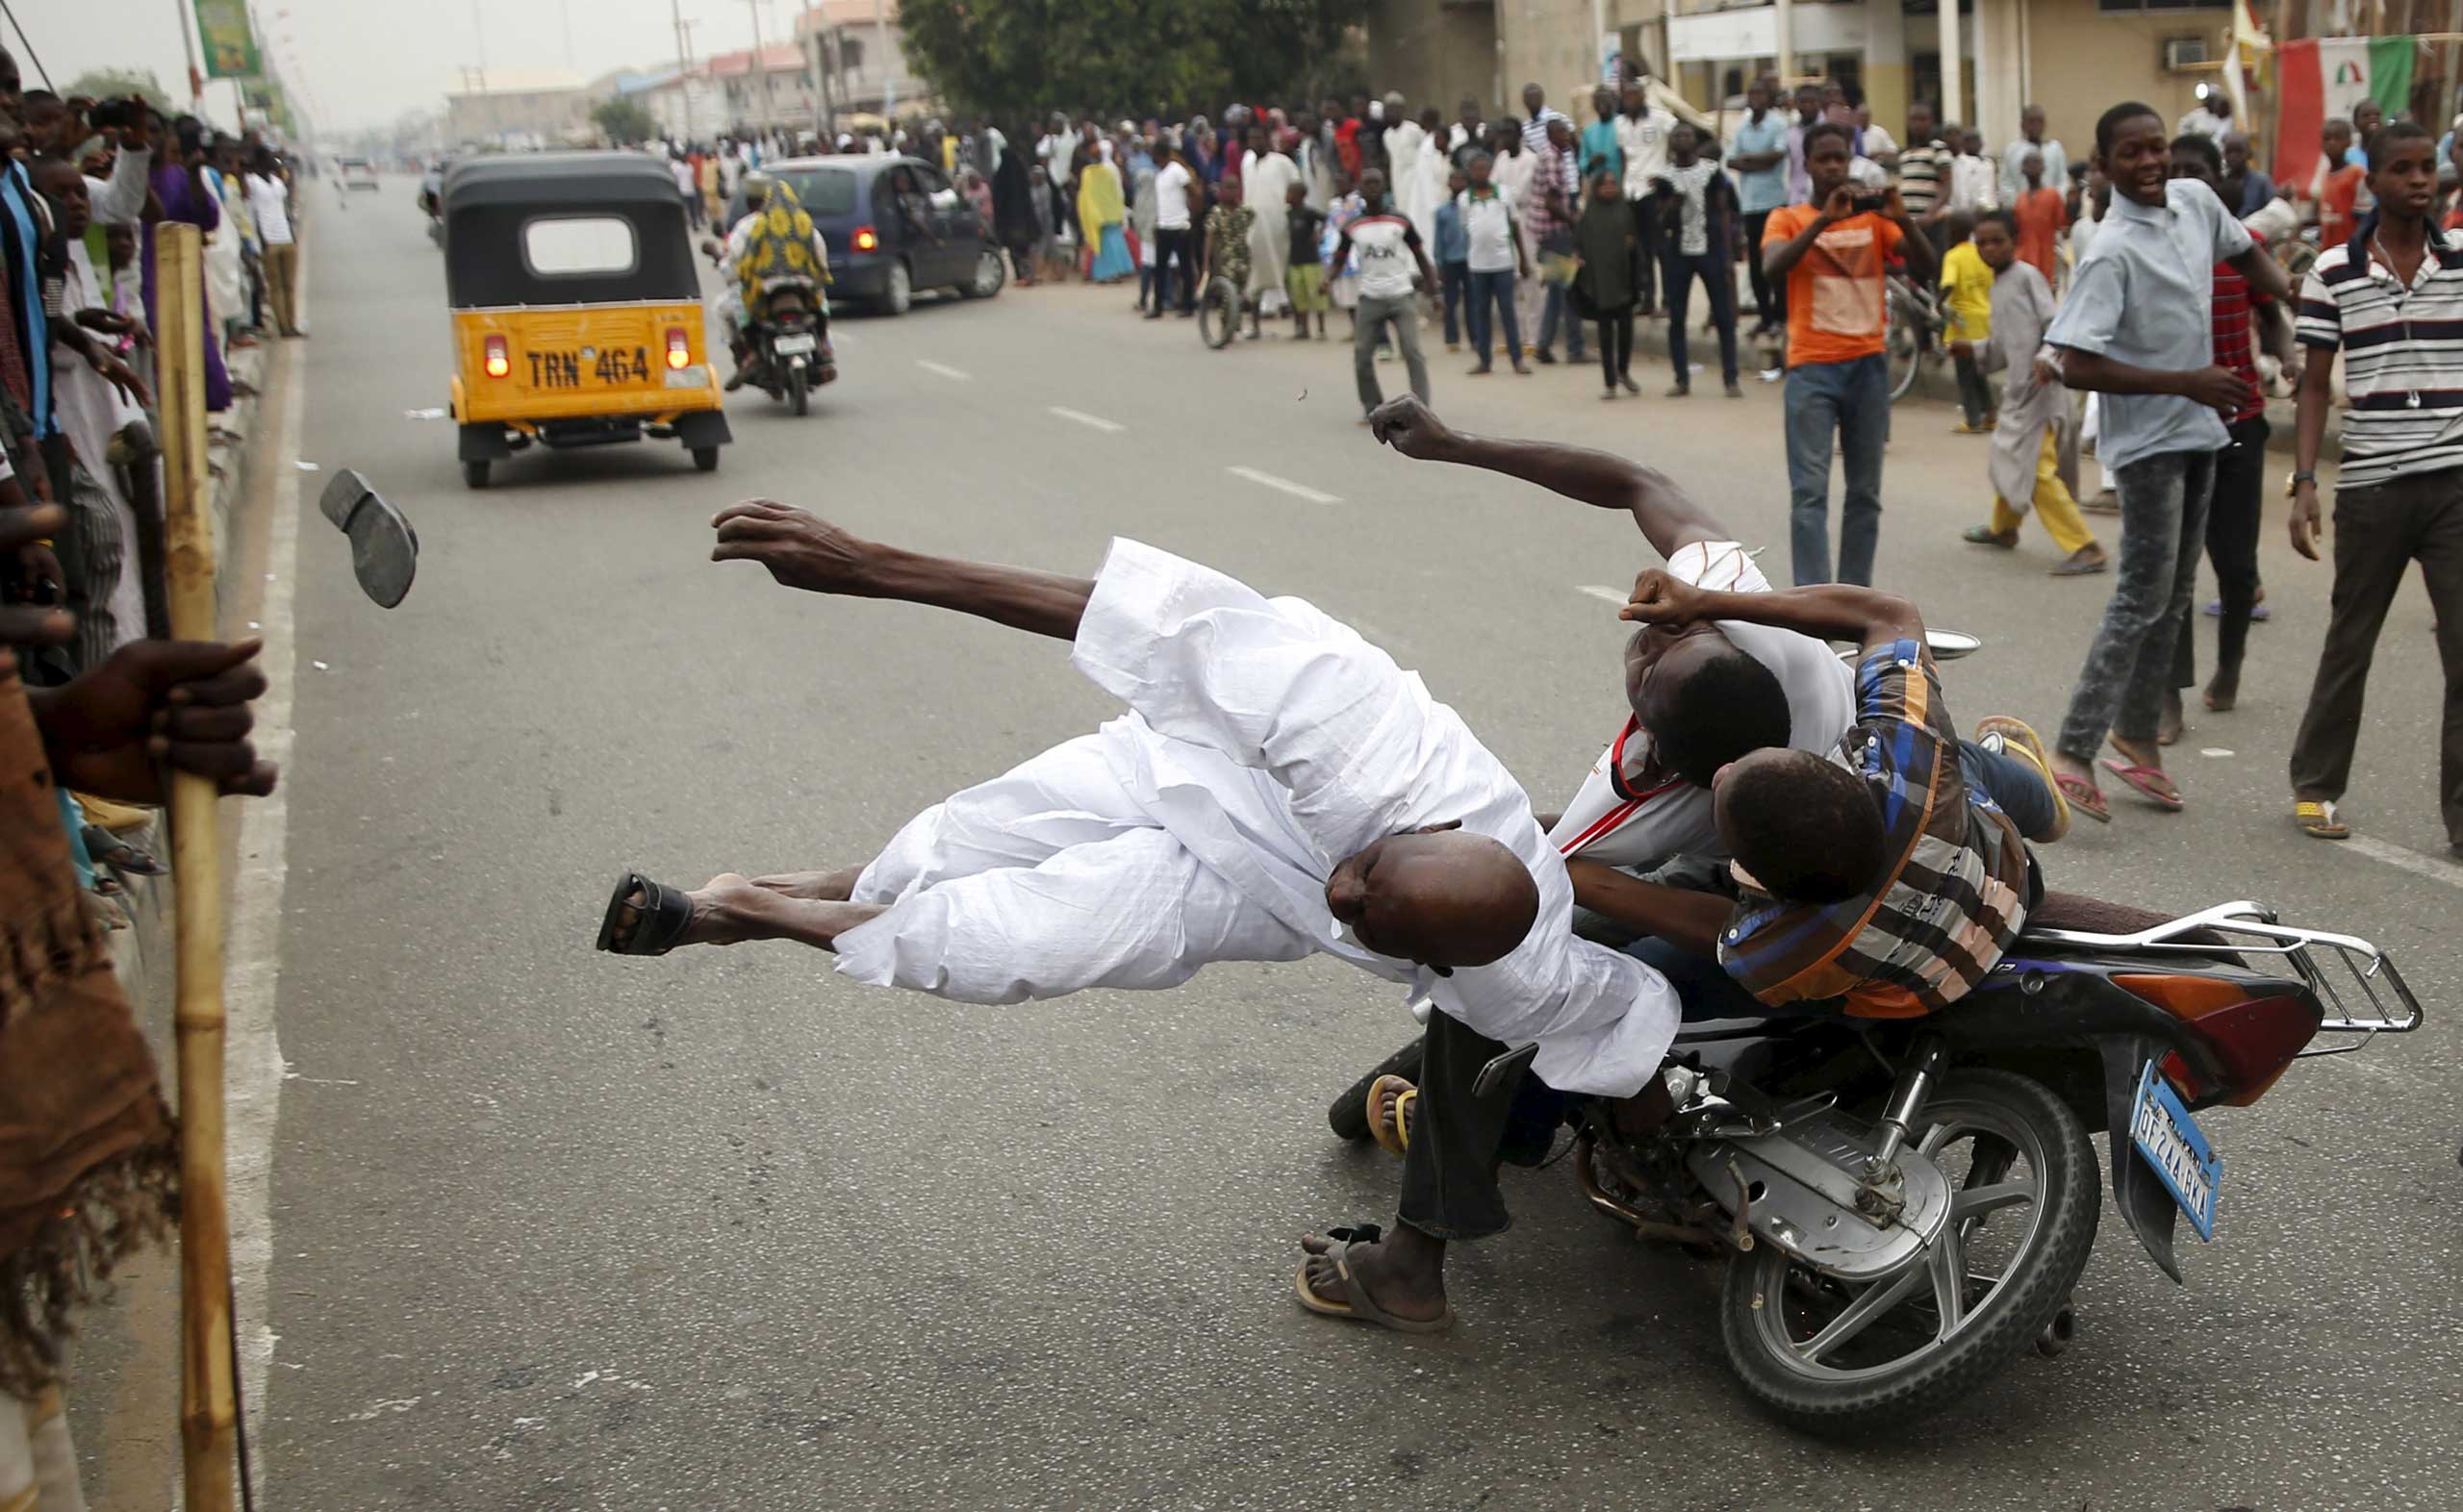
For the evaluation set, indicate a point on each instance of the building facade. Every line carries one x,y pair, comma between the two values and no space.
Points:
516,109
857,51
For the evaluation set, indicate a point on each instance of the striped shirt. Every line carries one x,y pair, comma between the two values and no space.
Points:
1920,173
1535,131
2402,356
1955,893
1555,172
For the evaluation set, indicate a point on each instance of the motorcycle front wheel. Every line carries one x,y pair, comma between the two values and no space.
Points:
1834,1358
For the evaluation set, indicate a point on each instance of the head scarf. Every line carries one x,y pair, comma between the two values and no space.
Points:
778,248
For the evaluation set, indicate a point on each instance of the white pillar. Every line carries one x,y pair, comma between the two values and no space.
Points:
1783,25
1953,74
2000,73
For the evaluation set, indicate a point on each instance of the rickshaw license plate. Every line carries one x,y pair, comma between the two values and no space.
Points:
591,367
2160,1125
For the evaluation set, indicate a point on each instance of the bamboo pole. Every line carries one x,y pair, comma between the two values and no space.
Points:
208,1411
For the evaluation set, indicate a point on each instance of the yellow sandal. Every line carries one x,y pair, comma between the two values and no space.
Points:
2319,821
1393,1133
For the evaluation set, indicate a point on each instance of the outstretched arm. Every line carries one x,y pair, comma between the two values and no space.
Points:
1830,611
803,551
1602,479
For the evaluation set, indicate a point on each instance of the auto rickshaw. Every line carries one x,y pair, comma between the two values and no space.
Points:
576,312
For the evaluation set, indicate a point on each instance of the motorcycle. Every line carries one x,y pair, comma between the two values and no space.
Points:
790,345
1905,1205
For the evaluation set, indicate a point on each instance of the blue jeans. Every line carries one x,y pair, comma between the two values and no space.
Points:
1455,280
1557,307
2013,786
1496,287
1851,400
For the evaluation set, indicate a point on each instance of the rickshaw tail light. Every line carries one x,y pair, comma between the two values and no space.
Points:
499,361
679,355
867,240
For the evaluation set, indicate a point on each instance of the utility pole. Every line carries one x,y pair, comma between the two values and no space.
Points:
768,105
683,61
825,113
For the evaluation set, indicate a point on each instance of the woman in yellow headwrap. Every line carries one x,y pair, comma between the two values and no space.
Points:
1102,209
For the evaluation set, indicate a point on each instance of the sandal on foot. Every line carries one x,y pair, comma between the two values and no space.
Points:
659,922
1392,1132
2084,562
2147,782
1987,536
2319,819
119,855
1354,1303
2082,797
2019,739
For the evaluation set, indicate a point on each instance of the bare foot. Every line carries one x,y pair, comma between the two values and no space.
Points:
2169,728
1403,1274
2223,693
819,887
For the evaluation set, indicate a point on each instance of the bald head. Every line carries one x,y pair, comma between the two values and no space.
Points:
1442,898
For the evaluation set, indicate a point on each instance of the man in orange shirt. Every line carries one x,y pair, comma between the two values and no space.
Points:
2041,221
2339,185
1834,254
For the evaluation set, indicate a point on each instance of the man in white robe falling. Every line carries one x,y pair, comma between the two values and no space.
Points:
1266,177
1278,788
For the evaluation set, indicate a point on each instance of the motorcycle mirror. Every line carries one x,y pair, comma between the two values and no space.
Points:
1948,645
384,548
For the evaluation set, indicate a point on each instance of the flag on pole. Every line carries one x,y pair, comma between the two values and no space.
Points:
2321,79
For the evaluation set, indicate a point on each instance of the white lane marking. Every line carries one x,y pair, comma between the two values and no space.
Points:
1083,419
943,368
1298,490
1619,597
2408,860
255,1066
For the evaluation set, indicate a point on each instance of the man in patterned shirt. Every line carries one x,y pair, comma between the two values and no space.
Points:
1548,211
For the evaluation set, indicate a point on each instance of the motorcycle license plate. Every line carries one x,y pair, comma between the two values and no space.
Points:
794,346
2168,1140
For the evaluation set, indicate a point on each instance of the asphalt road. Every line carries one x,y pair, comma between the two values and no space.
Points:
552,1230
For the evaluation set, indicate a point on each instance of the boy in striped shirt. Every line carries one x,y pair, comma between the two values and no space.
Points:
2392,299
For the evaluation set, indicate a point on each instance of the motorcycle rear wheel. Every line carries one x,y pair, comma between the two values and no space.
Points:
1794,1337
798,395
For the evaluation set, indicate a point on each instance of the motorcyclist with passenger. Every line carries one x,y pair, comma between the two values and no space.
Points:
774,246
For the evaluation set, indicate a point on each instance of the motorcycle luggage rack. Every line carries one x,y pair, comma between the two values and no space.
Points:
2361,991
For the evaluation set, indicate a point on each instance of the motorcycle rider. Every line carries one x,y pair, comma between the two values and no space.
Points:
774,243
1810,839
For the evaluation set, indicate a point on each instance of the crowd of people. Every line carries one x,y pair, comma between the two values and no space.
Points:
95,704
1541,237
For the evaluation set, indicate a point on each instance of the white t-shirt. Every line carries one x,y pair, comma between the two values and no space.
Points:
1381,249
1613,821
683,173
1172,197
270,207
1644,143
1692,184
1488,226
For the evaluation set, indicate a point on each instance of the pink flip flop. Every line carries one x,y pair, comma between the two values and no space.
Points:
2147,782
2082,797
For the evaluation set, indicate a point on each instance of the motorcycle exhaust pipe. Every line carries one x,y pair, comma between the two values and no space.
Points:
2058,1333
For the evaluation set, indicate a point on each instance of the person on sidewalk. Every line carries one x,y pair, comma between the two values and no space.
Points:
2035,444
1833,260
1598,147
1385,247
2241,319
2052,163
2138,328
1454,257
1698,212
2399,497
1967,308
1548,209
1498,260
1759,155
2041,218
269,205
1608,284
1644,130
1305,280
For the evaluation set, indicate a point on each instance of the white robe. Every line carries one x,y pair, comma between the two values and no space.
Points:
90,409
1403,143
1265,189
1429,175
1266,743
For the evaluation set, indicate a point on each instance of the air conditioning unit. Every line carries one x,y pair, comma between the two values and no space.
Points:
2187,54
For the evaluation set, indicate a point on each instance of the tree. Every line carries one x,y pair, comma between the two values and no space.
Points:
1020,58
623,119
117,83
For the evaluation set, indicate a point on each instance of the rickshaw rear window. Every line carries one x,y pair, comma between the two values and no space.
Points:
580,246
824,192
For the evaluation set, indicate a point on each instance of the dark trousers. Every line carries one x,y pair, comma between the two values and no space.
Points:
1454,279
1769,300
2379,531
1654,235
2233,517
1712,270
1172,246
1975,398
1615,347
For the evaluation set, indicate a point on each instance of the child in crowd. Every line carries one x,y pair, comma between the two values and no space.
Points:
1608,285
2338,187
2035,448
1343,287
1966,309
1305,279
1454,259
1227,258
2041,218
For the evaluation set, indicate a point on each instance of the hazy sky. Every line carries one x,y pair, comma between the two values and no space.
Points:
363,63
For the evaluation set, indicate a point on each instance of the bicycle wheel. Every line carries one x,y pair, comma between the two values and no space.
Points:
1906,334
1218,313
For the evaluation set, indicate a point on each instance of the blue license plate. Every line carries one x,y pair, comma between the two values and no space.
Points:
2168,1140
